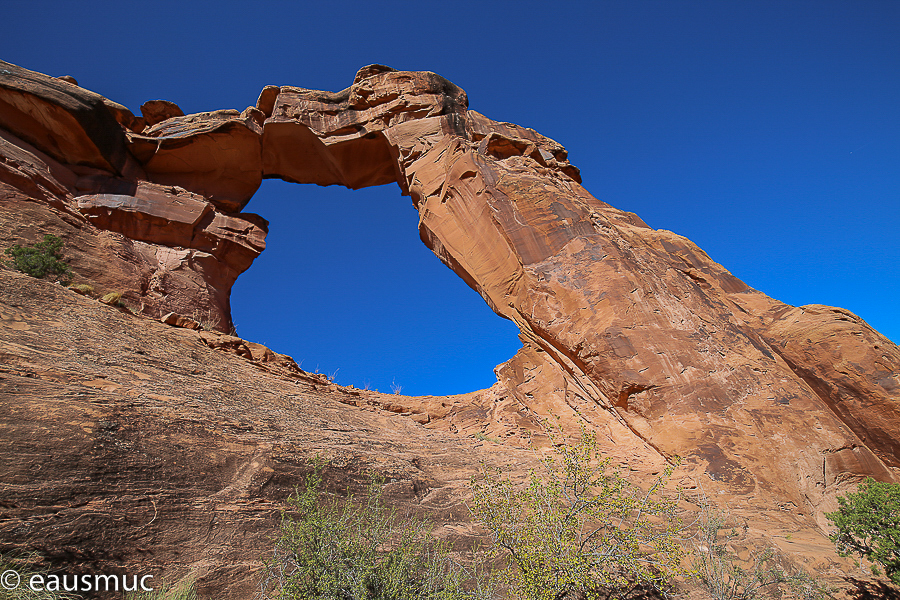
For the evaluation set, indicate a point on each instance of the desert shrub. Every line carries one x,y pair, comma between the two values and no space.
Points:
868,524
208,319
186,589
728,578
41,259
113,299
358,549
578,528
82,288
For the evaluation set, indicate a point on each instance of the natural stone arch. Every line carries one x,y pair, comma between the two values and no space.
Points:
635,330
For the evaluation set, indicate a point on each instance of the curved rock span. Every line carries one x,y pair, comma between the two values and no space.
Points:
634,330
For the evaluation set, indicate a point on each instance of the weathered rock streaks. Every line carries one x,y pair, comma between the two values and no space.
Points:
635,330
147,210
640,322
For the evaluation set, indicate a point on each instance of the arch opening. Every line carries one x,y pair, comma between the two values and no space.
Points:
347,288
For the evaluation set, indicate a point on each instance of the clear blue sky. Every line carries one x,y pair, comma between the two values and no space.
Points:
766,132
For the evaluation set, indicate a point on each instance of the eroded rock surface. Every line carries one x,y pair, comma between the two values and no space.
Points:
152,215
133,445
635,331
639,328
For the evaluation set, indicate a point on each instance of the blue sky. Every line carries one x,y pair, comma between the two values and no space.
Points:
766,132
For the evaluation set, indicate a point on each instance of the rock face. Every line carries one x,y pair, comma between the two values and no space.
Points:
149,211
637,323
635,331
131,445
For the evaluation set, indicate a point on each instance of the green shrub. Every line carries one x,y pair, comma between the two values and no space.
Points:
868,524
41,259
358,550
578,529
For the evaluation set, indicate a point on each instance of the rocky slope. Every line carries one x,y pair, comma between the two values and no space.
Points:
635,331
129,445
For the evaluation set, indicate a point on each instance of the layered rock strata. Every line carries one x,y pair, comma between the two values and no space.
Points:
134,447
148,206
640,328
634,330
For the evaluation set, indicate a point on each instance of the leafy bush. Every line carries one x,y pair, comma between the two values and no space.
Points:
868,524
40,260
727,579
579,528
358,550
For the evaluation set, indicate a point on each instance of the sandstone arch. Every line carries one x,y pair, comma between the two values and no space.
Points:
637,330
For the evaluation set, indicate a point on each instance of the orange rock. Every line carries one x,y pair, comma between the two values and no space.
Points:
173,217
156,111
635,331
640,328
71,124
215,154
176,320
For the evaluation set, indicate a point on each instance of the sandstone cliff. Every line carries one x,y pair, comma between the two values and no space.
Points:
636,331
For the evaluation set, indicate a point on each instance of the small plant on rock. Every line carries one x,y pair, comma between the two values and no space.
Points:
83,289
41,259
113,299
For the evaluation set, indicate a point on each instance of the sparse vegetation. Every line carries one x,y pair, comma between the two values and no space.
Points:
208,320
868,524
575,529
481,437
395,388
113,299
83,289
41,259
359,549
19,583
186,589
726,577
579,529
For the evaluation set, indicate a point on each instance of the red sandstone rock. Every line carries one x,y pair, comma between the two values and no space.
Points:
67,122
141,239
156,111
173,217
635,331
176,320
215,154
851,367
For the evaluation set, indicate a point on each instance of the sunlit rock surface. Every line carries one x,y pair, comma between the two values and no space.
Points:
773,410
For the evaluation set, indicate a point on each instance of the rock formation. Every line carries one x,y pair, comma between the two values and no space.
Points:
635,331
